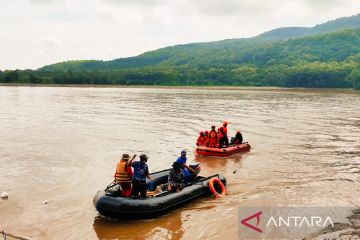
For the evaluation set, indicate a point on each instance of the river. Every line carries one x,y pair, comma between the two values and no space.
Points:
60,145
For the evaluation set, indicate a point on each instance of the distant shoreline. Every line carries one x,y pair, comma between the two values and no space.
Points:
265,88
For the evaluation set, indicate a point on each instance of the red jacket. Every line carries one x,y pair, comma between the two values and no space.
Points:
201,141
222,131
213,139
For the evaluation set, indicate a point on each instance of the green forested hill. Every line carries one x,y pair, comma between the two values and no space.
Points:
328,27
327,55
213,53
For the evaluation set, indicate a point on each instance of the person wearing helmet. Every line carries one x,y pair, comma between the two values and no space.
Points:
213,138
124,174
141,172
176,178
201,141
238,139
185,168
223,136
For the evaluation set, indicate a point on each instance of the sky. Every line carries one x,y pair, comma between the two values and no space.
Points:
35,33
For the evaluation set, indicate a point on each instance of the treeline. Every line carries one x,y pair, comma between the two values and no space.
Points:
323,61
309,75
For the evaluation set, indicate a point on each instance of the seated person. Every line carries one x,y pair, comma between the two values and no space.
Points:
206,137
238,139
185,168
213,140
201,141
222,138
176,178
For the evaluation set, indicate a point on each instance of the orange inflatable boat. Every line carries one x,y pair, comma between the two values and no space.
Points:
223,152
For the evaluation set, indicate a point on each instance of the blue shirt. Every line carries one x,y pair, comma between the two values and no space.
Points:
181,160
141,170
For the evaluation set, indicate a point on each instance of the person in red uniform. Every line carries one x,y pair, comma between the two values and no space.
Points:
124,174
223,136
206,138
213,138
201,141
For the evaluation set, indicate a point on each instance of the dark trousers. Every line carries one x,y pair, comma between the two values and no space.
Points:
224,141
139,187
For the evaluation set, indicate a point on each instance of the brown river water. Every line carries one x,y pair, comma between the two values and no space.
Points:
60,146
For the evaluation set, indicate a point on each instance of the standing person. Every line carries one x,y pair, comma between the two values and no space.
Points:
141,172
201,141
213,138
124,174
223,136
185,168
238,139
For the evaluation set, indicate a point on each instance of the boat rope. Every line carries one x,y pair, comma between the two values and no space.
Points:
6,234
112,184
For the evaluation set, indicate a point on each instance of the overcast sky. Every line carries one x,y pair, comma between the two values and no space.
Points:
34,33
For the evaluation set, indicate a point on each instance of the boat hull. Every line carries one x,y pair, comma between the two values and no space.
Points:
127,208
223,152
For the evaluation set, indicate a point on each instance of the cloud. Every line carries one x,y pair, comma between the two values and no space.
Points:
45,2
39,32
231,7
52,41
323,5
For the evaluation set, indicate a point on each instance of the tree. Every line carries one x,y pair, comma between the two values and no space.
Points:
12,76
354,77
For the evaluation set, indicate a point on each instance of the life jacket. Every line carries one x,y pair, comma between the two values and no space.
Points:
224,131
213,135
213,139
220,133
121,175
201,141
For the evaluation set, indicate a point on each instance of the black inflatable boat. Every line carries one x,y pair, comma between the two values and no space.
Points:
110,204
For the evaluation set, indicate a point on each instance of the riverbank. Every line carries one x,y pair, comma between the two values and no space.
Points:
133,86
265,88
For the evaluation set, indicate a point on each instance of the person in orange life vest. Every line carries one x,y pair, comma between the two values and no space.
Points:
124,174
206,138
213,138
201,141
223,137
